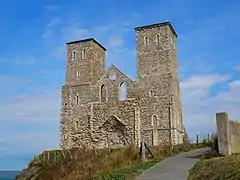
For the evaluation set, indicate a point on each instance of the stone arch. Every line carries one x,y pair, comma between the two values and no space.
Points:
146,41
103,93
77,124
73,55
122,91
84,54
154,120
77,99
151,93
115,131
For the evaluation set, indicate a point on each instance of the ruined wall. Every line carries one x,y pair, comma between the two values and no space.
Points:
93,113
234,136
228,134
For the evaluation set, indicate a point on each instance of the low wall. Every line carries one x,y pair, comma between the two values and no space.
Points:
228,134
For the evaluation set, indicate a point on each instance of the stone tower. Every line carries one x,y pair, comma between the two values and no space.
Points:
94,115
158,73
85,62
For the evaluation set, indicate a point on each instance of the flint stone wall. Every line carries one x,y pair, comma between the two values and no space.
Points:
92,114
228,132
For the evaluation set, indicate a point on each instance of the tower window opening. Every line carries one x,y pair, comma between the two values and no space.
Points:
84,54
77,99
154,120
77,125
157,39
77,73
73,55
146,41
151,93
123,91
103,94
64,136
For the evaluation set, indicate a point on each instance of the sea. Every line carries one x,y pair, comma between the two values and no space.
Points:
8,175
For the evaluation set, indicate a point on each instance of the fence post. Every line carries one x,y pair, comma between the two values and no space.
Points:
44,157
48,157
109,148
197,139
143,151
55,156
208,137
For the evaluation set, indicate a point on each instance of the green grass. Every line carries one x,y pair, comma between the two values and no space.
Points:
130,172
217,168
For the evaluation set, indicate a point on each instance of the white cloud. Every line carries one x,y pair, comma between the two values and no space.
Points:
47,35
198,86
59,52
74,32
24,60
199,106
237,68
54,22
48,32
115,42
52,7
203,81
36,106
7,80
30,122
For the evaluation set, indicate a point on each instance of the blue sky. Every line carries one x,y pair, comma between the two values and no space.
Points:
32,57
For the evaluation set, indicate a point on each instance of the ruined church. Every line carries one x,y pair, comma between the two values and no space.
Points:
94,111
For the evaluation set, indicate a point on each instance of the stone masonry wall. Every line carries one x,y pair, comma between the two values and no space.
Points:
228,134
158,72
234,136
92,113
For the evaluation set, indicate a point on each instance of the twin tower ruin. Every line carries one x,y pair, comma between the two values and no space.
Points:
93,114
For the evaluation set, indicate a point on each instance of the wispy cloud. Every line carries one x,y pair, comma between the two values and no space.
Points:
54,22
74,32
115,42
19,60
11,81
52,7
200,106
35,106
237,68
59,52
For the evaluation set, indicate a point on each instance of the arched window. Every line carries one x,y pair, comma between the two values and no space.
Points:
84,54
77,125
73,55
95,55
123,91
64,136
151,93
77,73
146,41
154,120
157,39
103,94
77,99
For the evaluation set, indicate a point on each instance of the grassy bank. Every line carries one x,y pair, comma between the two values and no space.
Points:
217,168
129,172
119,164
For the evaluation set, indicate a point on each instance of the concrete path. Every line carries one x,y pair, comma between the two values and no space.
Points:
174,168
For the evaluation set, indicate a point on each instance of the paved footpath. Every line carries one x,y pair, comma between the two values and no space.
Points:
173,168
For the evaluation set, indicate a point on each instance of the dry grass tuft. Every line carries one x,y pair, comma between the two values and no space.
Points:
88,164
